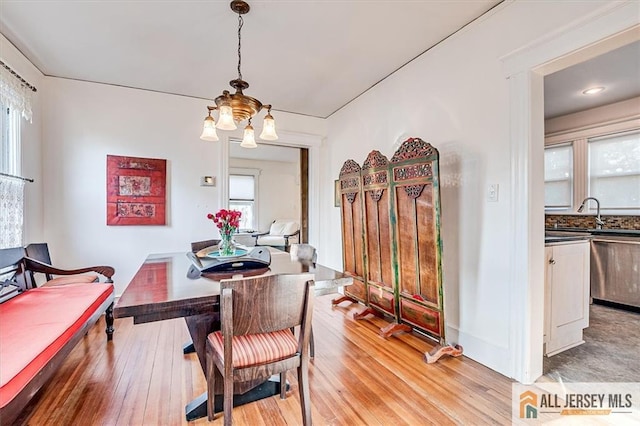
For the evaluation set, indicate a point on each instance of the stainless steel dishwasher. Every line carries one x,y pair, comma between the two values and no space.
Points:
615,269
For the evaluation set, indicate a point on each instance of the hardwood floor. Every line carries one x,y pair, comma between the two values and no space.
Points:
356,378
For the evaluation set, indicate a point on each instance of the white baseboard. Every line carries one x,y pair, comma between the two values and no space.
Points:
486,353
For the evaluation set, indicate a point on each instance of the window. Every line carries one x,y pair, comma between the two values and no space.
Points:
10,128
11,188
604,167
15,101
242,190
10,155
614,170
558,177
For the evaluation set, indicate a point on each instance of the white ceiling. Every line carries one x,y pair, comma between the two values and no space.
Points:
306,57
618,71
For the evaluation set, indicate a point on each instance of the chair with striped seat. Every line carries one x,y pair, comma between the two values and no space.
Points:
255,340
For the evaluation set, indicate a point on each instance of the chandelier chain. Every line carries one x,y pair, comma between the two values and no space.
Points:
240,23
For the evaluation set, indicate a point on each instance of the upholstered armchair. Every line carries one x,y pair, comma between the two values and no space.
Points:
281,234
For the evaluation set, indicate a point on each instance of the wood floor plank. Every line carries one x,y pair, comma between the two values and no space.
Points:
158,399
139,373
459,387
128,350
356,378
386,383
100,380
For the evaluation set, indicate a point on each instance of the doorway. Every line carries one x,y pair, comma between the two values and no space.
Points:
267,183
612,26
585,106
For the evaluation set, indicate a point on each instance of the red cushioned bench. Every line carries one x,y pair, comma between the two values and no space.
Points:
40,326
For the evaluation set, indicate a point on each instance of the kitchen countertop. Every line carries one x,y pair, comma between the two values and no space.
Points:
621,232
561,235
565,239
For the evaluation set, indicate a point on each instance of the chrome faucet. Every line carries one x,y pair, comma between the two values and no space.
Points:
599,221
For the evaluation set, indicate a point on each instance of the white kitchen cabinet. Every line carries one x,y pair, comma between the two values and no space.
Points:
566,295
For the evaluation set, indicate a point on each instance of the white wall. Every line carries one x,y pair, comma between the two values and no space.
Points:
84,122
456,97
278,189
31,141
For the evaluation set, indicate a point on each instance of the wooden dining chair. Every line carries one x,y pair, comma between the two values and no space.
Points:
255,340
305,253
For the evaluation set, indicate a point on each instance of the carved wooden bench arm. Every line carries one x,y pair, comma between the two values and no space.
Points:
37,266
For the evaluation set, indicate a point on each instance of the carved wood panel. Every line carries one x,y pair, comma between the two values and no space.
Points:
428,253
416,209
377,232
352,228
375,178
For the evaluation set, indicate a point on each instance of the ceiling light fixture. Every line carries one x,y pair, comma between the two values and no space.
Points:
237,107
593,90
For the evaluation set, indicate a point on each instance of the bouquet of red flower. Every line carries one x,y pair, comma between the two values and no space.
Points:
227,221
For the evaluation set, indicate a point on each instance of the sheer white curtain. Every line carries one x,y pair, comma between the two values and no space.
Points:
11,211
14,94
15,101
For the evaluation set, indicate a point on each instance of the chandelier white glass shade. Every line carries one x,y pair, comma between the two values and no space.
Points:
209,129
237,107
269,128
249,138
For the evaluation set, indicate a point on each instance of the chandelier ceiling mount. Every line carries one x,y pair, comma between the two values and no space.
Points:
236,107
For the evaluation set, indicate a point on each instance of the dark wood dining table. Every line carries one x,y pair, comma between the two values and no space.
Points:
167,286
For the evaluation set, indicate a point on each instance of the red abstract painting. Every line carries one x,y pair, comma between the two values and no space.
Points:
136,189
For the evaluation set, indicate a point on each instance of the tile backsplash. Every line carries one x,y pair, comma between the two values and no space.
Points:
582,221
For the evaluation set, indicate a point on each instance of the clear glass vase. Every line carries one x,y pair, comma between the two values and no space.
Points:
227,247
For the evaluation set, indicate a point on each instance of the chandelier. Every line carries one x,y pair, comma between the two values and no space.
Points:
237,107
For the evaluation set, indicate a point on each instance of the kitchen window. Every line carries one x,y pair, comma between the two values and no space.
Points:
604,167
614,170
558,177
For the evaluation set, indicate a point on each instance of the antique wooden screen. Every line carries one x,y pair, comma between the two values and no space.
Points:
391,237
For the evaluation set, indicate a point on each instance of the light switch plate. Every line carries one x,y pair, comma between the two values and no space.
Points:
492,192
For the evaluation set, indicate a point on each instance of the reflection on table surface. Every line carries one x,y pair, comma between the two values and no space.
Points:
162,286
